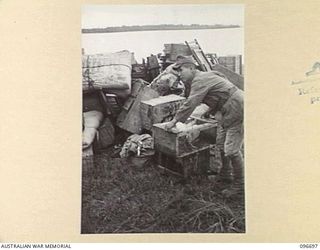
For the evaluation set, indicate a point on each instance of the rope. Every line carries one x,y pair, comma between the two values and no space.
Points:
112,64
86,73
87,76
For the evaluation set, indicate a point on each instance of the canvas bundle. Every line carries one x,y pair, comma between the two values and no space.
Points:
107,70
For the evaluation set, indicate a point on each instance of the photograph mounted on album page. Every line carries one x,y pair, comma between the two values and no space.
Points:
199,122
166,155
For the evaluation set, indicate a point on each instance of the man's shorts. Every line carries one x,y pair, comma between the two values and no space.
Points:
230,140
232,110
230,130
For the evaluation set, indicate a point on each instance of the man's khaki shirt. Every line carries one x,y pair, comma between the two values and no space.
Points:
208,88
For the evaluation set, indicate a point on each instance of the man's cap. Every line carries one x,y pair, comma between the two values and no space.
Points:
183,60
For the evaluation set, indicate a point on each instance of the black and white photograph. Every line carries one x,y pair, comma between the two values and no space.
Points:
163,119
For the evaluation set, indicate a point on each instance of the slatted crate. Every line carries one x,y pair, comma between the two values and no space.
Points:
178,144
196,162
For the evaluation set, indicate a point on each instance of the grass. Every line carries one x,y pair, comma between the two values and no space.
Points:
121,197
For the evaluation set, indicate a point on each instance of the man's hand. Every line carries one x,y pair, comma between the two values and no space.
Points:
170,125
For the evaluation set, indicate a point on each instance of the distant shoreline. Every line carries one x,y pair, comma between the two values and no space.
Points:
157,27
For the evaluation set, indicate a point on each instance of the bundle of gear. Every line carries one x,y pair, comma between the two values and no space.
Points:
137,145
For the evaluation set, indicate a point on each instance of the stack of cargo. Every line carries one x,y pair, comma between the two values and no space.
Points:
139,99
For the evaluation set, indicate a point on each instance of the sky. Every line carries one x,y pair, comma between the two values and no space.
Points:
101,16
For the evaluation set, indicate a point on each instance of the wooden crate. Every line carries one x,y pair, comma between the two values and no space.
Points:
130,118
160,109
177,144
195,163
233,63
173,50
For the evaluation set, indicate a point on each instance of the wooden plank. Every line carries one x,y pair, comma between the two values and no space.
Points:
167,170
127,105
199,55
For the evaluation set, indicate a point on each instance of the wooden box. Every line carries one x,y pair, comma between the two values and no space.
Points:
195,163
173,50
179,144
233,63
160,109
130,118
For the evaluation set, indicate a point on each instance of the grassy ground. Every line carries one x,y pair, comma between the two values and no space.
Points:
121,197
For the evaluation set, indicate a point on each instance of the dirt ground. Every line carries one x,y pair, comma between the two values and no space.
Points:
121,196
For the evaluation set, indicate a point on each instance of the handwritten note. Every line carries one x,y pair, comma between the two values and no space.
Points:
310,86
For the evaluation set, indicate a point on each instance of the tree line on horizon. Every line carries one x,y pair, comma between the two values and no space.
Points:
125,28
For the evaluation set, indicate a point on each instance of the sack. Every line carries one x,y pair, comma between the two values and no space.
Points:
108,71
168,83
91,122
